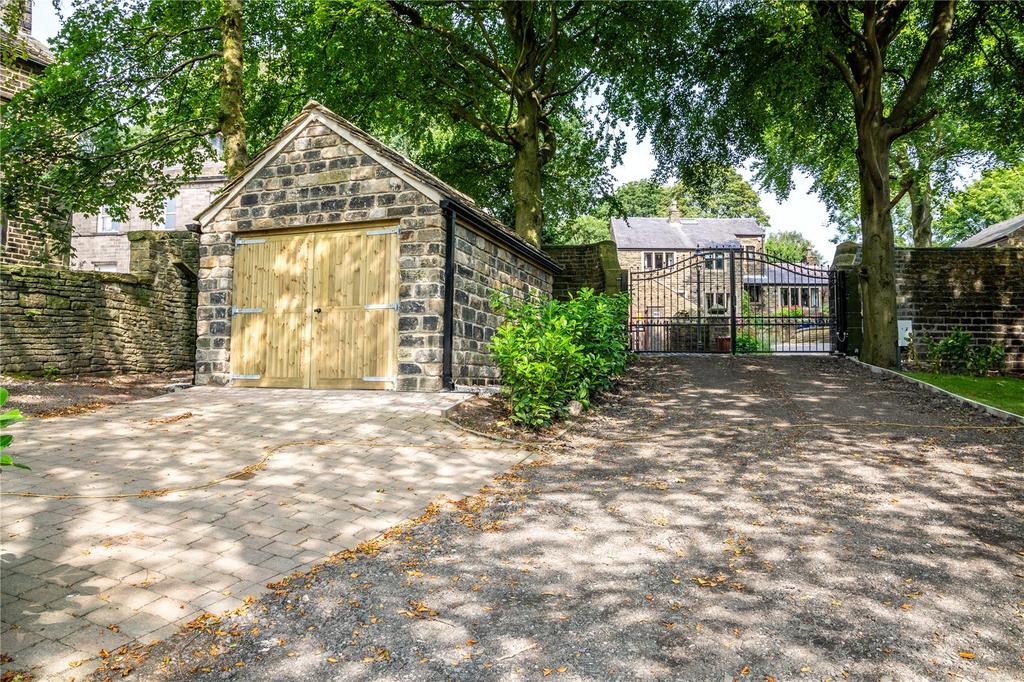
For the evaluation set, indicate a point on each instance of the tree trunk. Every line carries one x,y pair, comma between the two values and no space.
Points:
877,276
921,210
232,115
526,174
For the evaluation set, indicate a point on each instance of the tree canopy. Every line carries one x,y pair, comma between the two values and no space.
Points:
994,197
723,193
790,246
503,100
829,87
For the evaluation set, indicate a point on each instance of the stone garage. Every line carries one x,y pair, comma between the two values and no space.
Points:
335,262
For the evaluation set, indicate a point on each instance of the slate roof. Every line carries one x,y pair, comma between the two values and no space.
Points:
994,233
686,233
780,274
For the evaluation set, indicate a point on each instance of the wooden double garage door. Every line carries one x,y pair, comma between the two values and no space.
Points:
316,309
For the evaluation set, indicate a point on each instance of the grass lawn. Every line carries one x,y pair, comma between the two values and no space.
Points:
1006,393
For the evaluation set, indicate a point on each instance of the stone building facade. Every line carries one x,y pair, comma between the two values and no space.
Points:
99,242
323,173
104,323
23,60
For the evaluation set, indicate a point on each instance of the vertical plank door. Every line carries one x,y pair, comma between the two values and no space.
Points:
355,316
271,308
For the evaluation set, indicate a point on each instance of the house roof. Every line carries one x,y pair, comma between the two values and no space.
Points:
686,233
24,46
417,176
994,233
808,275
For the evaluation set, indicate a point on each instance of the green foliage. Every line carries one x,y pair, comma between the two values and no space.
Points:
789,246
790,311
957,353
720,193
997,195
553,352
51,372
6,419
747,341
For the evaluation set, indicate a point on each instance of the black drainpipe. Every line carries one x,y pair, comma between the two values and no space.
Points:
449,296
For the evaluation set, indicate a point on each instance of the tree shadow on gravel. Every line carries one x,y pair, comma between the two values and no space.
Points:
721,518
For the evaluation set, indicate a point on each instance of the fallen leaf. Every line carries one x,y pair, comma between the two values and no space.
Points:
547,671
966,654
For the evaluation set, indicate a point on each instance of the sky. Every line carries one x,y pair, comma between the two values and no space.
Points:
801,211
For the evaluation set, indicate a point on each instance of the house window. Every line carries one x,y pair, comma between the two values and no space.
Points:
714,261
714,301
655,260
814,297
170,213
791,295
754,293
805,297
105,223
750,252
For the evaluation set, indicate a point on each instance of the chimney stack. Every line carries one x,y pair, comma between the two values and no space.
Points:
673,211
809,256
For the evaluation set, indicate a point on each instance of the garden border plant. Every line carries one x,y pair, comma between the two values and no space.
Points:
957,353
553,352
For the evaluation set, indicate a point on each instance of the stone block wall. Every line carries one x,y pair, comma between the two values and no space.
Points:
103,323
319,179
979,290
941,289
481,268
594,266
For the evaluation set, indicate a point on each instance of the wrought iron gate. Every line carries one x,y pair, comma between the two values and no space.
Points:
736,301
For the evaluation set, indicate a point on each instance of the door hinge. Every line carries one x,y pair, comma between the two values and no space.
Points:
251,377
239,242
244,311
381,306
386,230
378,378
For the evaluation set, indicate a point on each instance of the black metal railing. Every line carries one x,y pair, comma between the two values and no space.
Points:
736,301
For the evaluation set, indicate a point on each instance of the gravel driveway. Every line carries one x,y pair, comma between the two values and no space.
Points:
718,518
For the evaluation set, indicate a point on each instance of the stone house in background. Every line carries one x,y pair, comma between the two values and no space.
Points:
333,261
694,250
1008,233
24,59
101,243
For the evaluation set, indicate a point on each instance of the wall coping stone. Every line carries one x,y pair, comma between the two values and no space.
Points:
995,411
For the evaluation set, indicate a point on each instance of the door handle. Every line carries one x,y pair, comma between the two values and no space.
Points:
316,310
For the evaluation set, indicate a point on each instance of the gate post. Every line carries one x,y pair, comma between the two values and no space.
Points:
732,301
849,323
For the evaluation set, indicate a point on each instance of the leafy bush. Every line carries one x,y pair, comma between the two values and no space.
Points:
748,341
957,353
553,352
6,419
791,311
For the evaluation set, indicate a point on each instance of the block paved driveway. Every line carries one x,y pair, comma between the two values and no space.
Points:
139,530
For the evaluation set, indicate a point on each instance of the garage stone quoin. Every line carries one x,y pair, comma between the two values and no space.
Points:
335,262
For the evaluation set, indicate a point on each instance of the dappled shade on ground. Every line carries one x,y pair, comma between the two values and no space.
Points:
721,517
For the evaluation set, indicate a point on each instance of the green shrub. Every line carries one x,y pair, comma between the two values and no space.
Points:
553,352
6,419
957,353
747,341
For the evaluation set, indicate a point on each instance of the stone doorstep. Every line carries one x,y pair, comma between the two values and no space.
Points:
994,411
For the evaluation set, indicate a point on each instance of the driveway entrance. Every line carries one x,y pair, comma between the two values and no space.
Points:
139,517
